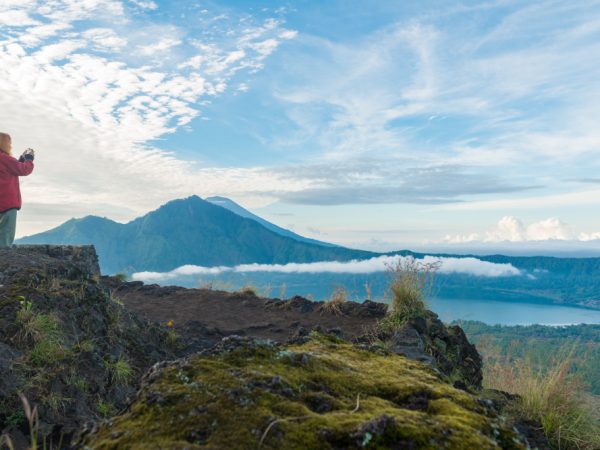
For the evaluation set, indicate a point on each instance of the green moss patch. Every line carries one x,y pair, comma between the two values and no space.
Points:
324,394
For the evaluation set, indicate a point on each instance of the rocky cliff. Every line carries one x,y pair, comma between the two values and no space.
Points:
253,373
66,343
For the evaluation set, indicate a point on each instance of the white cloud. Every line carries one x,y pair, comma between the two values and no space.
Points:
508,229
162,45
92,117
549,229
516,99
145,4
589,236
469,266
512,229
16,18
104,39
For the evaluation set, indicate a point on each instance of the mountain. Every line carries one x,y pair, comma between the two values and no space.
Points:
187,231
237,209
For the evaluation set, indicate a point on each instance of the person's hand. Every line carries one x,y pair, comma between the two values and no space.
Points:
28,155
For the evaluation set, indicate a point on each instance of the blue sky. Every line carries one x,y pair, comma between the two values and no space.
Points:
373,124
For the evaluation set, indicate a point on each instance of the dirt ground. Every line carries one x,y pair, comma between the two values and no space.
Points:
209,315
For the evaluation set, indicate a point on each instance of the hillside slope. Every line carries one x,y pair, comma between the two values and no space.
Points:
187,231
232,206
71,343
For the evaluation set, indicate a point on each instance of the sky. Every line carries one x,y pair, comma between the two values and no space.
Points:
368,123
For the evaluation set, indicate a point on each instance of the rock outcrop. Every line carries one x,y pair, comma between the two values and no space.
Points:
66,343
322,394
429,340
77,346
61,261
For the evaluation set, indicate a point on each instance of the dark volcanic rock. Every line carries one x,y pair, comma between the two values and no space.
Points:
429,340
63,261
66,343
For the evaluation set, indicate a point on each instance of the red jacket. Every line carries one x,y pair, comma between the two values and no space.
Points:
10,171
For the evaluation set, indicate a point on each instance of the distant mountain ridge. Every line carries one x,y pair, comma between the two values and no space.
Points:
240,211
187,231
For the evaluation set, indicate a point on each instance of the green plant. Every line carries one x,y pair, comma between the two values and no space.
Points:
78,382
411,282
120,370
43,331
554,397
55,401
15,418
173,339
105,408
121,277
47,351
84,346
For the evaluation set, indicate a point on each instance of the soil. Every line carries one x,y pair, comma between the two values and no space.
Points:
205,316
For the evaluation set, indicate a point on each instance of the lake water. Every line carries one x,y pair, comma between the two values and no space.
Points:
511,313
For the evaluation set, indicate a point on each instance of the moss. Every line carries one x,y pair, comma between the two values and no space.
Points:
322,394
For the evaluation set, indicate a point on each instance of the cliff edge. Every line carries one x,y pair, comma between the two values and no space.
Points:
92,353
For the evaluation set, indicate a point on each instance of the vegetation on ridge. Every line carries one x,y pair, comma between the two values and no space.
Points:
320,394
553,398
72,351
540,345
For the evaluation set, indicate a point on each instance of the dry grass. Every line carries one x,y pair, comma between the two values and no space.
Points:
335,302
554,398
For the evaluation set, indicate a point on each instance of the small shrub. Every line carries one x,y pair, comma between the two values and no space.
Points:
44,332
120,370
47,351
412,281
121,277
249,289
78,382
106,409
335,302
173,340
84,346
55,402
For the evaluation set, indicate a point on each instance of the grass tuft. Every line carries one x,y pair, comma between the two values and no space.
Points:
411,282
120,370
553,397
335,302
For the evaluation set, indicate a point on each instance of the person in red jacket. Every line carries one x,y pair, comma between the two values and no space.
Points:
10,194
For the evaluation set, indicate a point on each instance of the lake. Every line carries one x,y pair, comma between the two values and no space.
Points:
511,313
